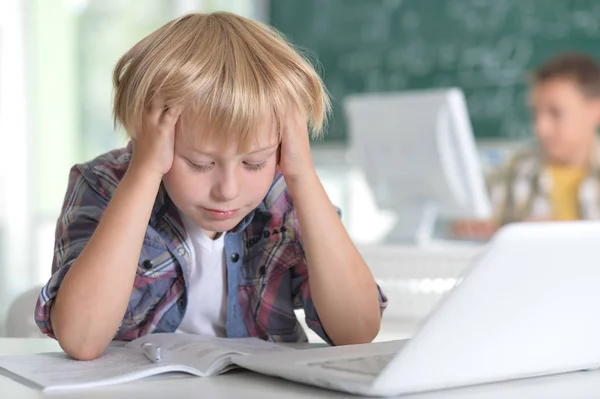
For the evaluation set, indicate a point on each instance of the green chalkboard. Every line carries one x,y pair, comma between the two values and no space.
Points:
486,47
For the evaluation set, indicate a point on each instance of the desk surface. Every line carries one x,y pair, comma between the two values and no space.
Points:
245,384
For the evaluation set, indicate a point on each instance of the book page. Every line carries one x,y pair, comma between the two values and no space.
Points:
59,371
196,355
210,355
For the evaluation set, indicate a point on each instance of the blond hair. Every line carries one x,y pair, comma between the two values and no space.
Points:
229,70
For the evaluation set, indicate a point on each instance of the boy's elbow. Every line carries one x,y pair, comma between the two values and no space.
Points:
80,349
368,334
83,353
76,343
364,335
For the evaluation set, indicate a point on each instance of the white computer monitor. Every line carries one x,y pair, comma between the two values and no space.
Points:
418,154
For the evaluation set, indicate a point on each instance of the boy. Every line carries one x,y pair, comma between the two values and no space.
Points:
559,179
212,220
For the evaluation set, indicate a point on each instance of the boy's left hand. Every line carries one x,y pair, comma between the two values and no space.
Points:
295,158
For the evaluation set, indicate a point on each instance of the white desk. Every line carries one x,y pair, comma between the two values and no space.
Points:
242,384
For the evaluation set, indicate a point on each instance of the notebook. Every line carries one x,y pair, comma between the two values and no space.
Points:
147,356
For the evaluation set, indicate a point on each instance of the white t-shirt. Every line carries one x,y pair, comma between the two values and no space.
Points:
206,312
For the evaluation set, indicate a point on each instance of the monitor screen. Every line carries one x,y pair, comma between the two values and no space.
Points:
418,153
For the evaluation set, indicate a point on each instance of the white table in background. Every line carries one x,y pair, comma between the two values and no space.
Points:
247,385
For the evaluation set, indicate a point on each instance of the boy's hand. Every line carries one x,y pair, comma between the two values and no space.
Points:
154,146
295,158
474,229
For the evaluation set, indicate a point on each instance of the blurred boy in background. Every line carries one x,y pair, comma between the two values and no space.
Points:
559,178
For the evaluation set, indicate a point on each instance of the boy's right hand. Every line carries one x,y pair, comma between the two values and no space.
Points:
154,146
477,230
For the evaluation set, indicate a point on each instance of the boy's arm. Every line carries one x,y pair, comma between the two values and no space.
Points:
93,296
301,292
341,285
94,293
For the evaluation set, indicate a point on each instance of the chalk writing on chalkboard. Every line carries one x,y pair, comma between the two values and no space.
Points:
486,47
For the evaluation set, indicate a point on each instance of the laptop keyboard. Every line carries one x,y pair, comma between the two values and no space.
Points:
366,365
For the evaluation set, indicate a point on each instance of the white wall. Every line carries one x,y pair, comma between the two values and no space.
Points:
15,156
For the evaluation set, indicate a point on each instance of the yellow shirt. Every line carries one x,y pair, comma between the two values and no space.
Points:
564,197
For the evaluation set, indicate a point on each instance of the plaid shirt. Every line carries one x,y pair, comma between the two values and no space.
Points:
521,190
267,276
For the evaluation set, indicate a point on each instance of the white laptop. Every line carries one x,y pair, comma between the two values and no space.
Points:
528,306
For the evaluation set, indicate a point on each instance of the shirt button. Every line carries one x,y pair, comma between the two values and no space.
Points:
147,264
181,251
235,257
181,303
262,270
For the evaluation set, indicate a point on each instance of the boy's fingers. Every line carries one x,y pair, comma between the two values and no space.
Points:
157,107
171,115
475,229
486,229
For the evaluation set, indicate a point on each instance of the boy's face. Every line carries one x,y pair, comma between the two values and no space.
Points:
217,189
564,118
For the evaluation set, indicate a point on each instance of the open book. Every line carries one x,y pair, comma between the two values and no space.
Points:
196,355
